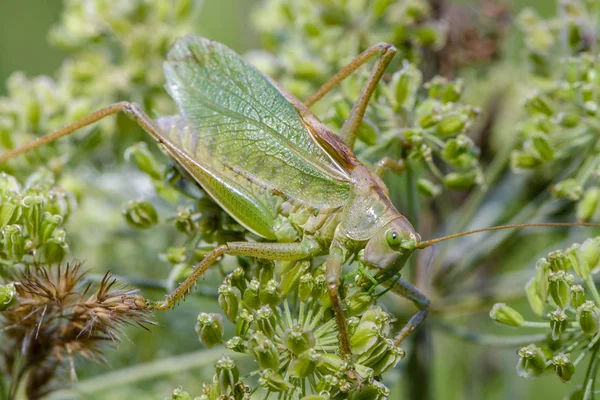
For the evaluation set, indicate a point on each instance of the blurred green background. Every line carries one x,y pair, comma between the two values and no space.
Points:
23,46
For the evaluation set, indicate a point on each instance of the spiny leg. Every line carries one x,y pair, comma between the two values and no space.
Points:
333,267
408,291
133,110
385,53
269,251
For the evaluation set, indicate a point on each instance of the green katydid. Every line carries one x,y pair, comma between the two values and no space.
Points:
270,163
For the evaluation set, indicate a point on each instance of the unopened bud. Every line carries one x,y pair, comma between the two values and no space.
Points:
290,279
49,224
372,391
298,340
55,249
563,366
358,302
144,160
460,180
577,296
428,188
543,147
270,294
305,287
210,329
533,297
591,253
587,206
140,214
587,316
229,300
305,364
506,315
365,336
14,242
559,322
184,222
560,288
180,394
243,322
532,361
451,124
227,374
251,299
273,381
8,296
266,320
536,103
264,351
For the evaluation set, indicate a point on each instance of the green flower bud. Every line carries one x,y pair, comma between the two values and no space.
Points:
229,300
591,253
267,271
180,394
14,242
184,222
8,296
543,147
291,276
564,366
587,316
49,224
559,261
140,214
567,120
55,249
358,302
577,296
560,288
375,390
266,320
243,323
227,374
461,180
532,361
11,210
264,351
304,365
428,35
451,124
298,340
366,335
368,132
352,323
535,302
586,208
174,255
210,329
428,188
305,287
523,160
32,212
144,160
577,261
568,189
542,270
559,322
273,381
330,363
429,120
8,183
251,299
404,85
506,315
236,344
270,294
537,104
238,279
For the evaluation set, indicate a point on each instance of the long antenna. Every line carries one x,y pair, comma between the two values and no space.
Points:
427,243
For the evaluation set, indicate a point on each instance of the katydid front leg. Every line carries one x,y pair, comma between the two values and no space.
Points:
408,291
269,251
333,267
385,53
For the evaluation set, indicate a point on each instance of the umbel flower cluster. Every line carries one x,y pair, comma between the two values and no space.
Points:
560,131
564,295
286,325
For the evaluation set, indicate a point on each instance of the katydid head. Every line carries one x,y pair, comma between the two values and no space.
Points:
391,245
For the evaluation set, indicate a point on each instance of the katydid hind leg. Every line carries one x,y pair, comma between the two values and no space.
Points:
269,251
385,53
408,291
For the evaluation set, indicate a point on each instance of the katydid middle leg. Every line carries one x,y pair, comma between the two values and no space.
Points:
269,251
408,291
385,53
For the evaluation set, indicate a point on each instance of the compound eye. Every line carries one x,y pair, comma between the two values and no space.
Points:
393,238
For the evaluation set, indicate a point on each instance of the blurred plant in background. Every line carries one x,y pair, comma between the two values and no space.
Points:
426,131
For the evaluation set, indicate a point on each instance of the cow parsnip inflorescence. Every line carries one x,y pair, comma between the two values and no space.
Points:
564,295
561,126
